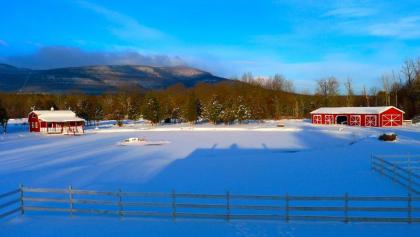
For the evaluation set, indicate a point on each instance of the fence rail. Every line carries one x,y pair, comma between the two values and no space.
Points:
226,206
10,203
401,169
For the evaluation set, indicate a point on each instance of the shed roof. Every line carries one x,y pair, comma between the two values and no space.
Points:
353,110
57,116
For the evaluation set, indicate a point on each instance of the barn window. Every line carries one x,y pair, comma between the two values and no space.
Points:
355,120
329,119
370,120
317,119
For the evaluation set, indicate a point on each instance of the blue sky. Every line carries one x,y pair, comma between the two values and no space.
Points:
303,40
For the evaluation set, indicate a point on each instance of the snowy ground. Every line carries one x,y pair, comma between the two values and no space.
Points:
248,159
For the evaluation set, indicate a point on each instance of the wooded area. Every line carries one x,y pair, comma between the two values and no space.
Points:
239,100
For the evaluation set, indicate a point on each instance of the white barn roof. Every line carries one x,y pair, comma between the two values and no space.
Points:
57,116
353,110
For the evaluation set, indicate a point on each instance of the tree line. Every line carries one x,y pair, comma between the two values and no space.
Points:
238,100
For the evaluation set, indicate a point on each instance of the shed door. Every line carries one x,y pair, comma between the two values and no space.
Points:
370,120
355,120
389,120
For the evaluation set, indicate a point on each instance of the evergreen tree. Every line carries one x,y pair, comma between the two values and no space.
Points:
228,114
151,109
89,109
134,111
192,108
243,112
98,113
212,110
4,118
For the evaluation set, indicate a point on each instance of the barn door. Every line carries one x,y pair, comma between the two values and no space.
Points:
355,120
370,121
390,120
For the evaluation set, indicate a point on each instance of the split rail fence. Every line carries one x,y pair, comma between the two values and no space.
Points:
402,169
227,206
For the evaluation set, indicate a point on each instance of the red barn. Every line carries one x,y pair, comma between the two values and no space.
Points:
55,122
386,116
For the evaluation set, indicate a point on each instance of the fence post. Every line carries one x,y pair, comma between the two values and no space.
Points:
409,208
346,207
174,204
227,206
71,200
22,211
120,204
287,207
410,178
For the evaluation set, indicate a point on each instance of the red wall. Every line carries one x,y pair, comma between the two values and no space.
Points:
34,124
397,121
382,120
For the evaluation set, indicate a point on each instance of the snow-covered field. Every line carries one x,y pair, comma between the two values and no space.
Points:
299,159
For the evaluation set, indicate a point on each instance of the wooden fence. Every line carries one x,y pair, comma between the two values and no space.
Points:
226,206
10,203
402,169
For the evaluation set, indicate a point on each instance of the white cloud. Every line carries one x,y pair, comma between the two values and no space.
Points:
404,28
59,56
125,26
349,12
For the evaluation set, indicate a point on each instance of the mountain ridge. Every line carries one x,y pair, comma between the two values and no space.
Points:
98,79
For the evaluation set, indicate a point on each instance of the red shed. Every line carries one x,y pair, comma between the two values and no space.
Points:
385,116
55,122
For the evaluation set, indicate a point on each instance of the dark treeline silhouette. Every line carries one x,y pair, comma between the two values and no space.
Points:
247,98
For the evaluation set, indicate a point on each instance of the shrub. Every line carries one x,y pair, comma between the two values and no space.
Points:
388,137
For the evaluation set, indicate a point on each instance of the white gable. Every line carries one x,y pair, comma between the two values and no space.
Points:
57,115
353,110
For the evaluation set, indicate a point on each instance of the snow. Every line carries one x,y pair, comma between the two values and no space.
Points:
254,158
353,110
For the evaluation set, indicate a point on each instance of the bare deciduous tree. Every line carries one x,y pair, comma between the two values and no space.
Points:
349,92
374,94
386,80
328,88
366,96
